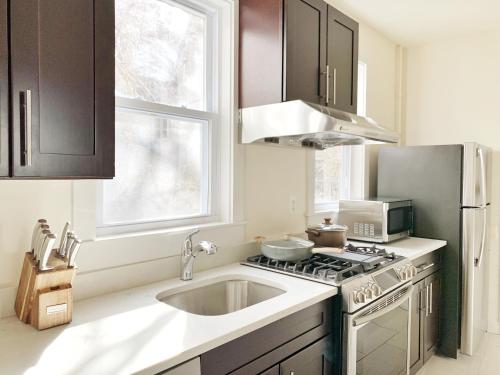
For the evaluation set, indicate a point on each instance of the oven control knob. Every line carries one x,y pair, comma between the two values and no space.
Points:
398,272
403,273
413,271
359,296
367,290
409,272
376,290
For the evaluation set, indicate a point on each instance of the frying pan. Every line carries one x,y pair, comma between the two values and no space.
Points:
293,249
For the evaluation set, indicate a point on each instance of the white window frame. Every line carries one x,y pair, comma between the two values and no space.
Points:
219,118
354,167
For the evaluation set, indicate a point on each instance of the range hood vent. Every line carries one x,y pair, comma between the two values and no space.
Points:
301,124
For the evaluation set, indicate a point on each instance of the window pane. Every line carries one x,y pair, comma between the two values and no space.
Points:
160,169
330,172
160,53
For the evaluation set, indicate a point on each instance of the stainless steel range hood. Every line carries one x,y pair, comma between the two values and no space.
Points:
301,124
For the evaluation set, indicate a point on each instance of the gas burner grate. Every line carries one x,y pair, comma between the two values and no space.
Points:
370,250
318,266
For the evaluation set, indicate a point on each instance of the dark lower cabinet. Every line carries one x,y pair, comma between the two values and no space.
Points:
314,360
425,315
62,88
307,342
432,318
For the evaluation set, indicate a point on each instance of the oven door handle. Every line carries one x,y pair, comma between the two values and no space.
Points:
367,318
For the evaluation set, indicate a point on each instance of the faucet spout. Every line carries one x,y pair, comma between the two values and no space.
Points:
188,254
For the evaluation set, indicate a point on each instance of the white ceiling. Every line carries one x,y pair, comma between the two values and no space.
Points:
412,22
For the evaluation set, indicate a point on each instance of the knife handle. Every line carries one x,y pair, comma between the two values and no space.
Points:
73,252
48,244
64,238
63,251
36,230
39,244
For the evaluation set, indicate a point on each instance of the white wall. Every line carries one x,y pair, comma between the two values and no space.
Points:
453,97
269,178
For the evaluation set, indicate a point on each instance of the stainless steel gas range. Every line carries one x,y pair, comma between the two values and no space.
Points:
375,287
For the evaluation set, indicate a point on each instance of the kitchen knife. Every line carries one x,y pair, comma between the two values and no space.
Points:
45,251
63,252
36,231
73,252
62,244
41,238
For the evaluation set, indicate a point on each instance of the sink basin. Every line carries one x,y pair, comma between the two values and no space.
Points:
221,297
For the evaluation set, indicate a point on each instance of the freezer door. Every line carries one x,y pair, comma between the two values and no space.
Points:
474,284
476,175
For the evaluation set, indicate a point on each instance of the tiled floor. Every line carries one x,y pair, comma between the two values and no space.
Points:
485,362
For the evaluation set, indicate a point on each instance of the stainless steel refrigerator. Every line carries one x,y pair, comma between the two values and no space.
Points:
450,189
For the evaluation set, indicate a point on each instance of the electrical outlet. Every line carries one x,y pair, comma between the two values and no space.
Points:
293,204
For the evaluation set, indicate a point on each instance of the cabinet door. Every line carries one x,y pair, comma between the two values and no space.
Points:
62,66
416,327
4,91
314,360
305,50
431,326
342,61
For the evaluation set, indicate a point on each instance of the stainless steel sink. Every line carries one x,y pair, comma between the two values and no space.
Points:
221,298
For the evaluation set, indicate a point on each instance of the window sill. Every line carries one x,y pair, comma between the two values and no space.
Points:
169,231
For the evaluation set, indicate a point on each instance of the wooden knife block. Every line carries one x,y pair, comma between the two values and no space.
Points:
44,298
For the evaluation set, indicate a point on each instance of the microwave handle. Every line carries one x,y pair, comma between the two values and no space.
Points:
367,318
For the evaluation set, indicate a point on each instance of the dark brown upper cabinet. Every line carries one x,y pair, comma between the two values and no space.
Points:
297,49
61,89
343,35
305,50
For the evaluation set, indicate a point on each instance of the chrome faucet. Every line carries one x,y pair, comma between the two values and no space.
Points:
188,254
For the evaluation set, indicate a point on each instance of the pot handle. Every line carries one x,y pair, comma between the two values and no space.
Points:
313,232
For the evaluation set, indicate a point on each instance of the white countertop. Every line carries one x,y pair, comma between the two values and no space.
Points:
410,247
131,332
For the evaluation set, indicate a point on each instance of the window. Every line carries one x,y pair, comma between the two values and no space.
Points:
172,72
334,179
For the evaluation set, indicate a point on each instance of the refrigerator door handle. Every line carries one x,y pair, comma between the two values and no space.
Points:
478,260
480,154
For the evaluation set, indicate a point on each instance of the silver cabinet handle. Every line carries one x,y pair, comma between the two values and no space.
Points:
327,84
26,157
421,303
424,267
427,300
335,86
430,299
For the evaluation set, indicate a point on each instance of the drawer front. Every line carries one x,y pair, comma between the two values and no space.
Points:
428,264
306,326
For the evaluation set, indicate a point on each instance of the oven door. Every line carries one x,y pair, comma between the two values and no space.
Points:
376,338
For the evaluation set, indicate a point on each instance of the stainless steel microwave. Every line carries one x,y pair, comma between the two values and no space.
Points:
377,219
